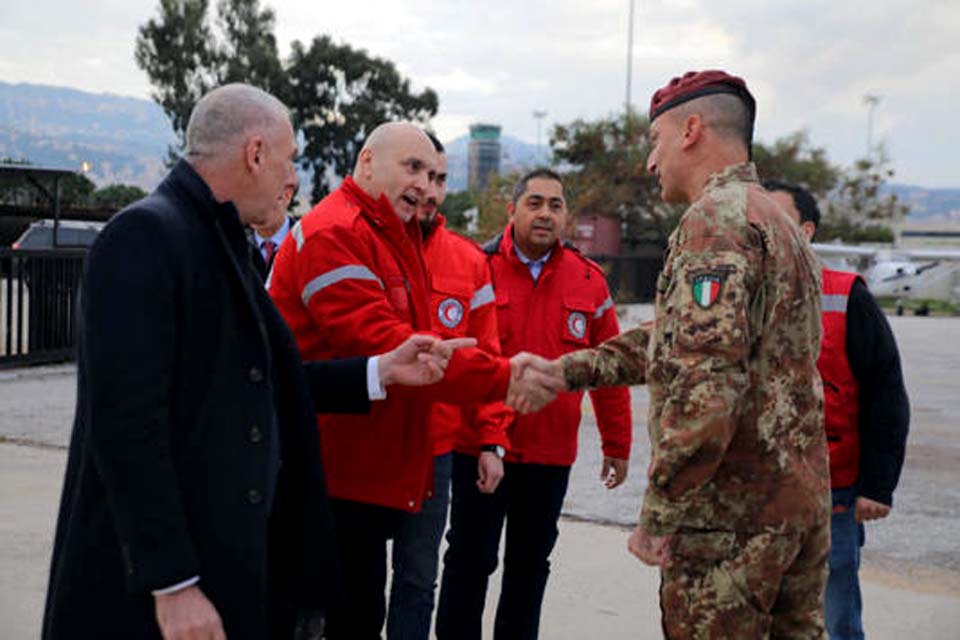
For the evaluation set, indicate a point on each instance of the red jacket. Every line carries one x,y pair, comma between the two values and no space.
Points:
462,304
567,308
350,281
840,388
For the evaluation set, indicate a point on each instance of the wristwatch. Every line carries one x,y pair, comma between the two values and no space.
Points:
494,448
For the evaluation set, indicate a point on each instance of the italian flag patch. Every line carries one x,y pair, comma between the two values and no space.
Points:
706,289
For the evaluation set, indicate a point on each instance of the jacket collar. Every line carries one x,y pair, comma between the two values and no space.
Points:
380,212
741,172
184,180
439,222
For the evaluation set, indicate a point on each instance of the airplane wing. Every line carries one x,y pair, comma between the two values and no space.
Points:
931,254
843,251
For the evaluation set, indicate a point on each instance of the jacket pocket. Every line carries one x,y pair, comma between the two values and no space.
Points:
398,293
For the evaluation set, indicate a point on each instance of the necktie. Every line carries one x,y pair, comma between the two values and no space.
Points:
269,248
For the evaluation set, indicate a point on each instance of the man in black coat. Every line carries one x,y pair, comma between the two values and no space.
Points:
194,503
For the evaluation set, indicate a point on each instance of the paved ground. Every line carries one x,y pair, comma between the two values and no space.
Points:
922,534
596,590
912,561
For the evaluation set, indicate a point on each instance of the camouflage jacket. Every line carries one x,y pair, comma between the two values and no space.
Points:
736,404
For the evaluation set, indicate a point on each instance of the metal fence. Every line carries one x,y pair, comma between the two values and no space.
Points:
38,299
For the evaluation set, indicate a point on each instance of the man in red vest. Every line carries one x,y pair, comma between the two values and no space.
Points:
867,415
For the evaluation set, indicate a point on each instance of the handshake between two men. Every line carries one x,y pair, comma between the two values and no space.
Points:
422,359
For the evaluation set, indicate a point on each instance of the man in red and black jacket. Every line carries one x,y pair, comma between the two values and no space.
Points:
550,300
867,416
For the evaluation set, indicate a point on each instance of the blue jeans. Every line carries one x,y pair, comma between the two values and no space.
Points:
843,606
416,550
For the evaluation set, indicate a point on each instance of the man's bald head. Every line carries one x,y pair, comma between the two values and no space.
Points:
397,160
241,142
225,117
391,135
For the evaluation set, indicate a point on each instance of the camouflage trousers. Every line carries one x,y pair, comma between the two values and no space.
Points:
746,585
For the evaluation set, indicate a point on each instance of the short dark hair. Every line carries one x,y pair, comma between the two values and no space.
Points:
728,114
521,186
802,200
437,145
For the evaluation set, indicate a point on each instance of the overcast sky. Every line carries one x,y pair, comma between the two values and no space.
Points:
808,62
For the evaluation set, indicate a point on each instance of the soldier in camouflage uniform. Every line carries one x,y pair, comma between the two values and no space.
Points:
737,509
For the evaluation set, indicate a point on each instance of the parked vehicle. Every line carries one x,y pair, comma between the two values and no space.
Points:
72,234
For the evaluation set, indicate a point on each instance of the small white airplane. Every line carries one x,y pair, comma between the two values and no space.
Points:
914,276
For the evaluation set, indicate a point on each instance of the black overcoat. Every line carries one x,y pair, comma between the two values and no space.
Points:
194,448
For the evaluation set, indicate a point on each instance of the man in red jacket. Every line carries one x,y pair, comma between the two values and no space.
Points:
550,300
461,305
867,416
350,280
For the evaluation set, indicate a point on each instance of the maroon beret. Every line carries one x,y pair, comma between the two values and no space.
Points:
696,84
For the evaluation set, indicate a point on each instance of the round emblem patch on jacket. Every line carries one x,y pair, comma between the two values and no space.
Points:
450,312
706,289
577,324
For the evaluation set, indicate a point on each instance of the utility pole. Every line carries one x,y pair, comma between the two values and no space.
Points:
871,101
629,56
539,114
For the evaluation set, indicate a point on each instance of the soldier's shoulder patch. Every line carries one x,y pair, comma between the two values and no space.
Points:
707,284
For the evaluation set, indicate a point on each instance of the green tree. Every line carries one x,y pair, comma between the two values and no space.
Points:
492,203
76,190
455,207
117,195
336,94
604,164
177,53
793,159
860,199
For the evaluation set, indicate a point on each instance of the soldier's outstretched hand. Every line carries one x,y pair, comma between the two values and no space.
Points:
652,550
534,382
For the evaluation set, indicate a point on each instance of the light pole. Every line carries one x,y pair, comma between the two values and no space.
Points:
629,56
539,114
871,101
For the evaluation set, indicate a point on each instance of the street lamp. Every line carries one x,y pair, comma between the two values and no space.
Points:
871,101
539,114
629,56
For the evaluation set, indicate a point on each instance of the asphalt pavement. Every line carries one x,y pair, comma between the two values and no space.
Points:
911,567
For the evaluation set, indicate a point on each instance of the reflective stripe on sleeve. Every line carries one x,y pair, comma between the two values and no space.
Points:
484,295
833,303
297,233
348,272
602,309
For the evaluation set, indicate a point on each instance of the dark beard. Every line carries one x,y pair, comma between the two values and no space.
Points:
427,226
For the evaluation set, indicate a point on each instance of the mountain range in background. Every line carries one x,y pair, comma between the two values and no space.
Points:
125,140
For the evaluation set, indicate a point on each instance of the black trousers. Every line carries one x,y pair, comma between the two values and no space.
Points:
362,531
529,497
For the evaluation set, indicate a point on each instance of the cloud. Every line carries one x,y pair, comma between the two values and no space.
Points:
809,62
460,81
